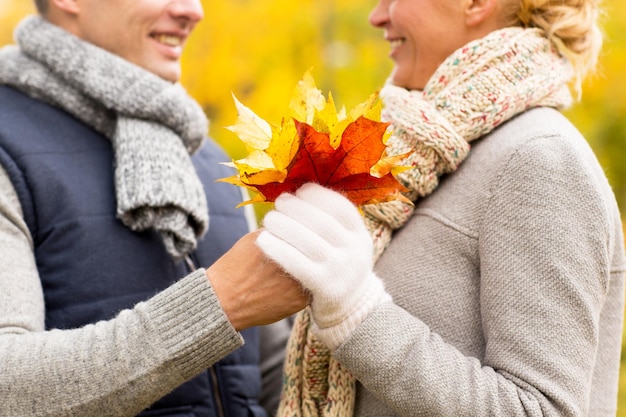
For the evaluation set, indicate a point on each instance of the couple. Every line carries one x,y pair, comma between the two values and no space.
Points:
130,284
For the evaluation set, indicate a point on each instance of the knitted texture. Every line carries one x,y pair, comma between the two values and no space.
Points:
478,87
157,126
310,234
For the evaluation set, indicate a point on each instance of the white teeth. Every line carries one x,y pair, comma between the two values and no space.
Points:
395,43
169,40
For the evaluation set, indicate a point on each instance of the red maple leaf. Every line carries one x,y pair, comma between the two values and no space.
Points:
345,169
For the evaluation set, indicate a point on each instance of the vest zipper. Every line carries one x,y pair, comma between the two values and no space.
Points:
212,372
216,392
190,263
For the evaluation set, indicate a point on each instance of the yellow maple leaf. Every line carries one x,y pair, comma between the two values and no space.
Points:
317,143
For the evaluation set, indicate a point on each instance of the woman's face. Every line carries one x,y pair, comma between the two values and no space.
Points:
422,34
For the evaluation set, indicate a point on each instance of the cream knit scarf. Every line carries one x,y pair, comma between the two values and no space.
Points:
153,125
477,88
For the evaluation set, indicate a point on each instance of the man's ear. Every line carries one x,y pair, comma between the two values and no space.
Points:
479,12
67,6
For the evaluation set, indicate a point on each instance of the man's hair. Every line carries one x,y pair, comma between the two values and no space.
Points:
42,6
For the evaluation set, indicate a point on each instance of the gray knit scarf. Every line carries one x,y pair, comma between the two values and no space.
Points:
153,125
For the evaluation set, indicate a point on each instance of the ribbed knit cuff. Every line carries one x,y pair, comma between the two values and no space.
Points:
193,326
335,335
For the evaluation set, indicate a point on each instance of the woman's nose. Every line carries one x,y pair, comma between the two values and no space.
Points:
378,16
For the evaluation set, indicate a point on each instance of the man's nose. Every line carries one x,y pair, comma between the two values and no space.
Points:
190,10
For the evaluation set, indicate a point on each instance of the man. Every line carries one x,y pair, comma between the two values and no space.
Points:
106,180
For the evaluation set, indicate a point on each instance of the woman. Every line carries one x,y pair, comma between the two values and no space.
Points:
500,293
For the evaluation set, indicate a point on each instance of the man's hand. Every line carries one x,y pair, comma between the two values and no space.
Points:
252,289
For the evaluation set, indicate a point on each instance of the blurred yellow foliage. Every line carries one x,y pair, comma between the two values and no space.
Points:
258,50
601,115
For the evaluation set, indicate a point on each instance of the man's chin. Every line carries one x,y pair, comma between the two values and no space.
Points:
171,76
169,72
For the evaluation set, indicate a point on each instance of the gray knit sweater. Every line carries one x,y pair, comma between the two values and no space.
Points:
112,368
508,287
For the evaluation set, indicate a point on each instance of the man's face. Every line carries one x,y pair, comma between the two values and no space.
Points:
148,33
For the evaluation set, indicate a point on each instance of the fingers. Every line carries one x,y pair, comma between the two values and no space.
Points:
310,226
290,258
301,237
305,226
321,209
334,203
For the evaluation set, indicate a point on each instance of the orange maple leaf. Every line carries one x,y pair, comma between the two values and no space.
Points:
345,169
344,152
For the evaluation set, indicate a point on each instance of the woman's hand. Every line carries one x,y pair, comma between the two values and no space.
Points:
319,237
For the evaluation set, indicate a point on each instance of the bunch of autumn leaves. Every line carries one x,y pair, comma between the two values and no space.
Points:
315,143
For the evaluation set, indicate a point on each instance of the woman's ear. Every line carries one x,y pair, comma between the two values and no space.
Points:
481,12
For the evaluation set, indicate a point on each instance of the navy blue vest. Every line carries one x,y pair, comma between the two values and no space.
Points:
91,265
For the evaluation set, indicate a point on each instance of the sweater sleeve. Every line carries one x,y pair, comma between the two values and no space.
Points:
110,368
545,248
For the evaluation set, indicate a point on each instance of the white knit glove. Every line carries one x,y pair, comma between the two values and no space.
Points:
319,237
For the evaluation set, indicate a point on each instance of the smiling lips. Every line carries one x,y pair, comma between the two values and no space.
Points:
394,43
169,40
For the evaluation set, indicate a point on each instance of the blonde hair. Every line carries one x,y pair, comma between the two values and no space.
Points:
571,24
